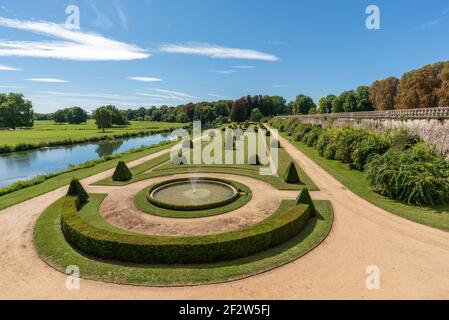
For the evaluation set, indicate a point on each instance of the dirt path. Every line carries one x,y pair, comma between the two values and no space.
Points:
413,259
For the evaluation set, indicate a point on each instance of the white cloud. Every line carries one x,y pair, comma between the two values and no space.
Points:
101,20
145,79
216,95
213,51
280,86
225,71
243,67
10,87
73,44
169,94
47,80
121,14
429,24
8,68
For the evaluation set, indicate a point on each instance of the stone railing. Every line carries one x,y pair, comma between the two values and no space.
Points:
424,113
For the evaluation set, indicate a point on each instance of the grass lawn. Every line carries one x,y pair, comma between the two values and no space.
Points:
162,166
64,179
355,181
48,131
53,249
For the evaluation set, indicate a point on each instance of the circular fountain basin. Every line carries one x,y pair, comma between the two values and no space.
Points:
193,194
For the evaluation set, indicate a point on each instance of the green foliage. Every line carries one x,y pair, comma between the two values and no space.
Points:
15,111
414,176
303,104
77,191
122,173
291,174
305,198
373,143
180,250
256,115
103,118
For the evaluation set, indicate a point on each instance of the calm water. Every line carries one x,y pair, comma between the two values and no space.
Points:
28,164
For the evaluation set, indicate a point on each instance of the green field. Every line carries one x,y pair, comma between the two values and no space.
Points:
49,131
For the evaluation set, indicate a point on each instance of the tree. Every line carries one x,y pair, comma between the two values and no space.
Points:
76,115
303,104
182,117
117,116
363,99
239,111
103,118
383,93
325,104
443,91
15,111
420,88
256,115
60,116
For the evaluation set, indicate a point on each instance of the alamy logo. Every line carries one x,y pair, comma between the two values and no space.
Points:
373,20
73,20
372,282
229,147
72,281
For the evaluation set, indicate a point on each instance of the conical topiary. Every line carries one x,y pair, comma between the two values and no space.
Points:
291,175
305,198
77,190
122,172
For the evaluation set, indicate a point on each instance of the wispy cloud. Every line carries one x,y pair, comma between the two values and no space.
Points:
243,67
224,71
280,86
101,20
47,80
121,14
429,24
169,94
77,44
145,79
8,68
10,87
214,51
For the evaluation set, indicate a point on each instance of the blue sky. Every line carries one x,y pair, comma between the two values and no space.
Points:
209,49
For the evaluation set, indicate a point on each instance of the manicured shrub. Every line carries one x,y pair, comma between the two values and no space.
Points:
324,139
346,141
305,198
77,191
414,176
291,174
122,173
138,248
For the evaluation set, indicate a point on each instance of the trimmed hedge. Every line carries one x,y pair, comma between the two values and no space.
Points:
170,206
77,190
305,198
122,172
291,174
180,250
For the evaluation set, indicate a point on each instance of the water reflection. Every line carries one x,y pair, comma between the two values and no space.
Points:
27,164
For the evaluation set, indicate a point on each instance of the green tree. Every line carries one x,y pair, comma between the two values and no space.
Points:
117,116
303,104
325,104
15,111
60,116
103,118
76,115
256,115
363,99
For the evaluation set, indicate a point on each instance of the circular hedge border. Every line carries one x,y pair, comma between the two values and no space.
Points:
139,248
206,206
54,250
141,202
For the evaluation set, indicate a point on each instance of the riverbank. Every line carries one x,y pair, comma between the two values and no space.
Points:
46,134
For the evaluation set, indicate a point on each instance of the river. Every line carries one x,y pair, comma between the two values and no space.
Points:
25,165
